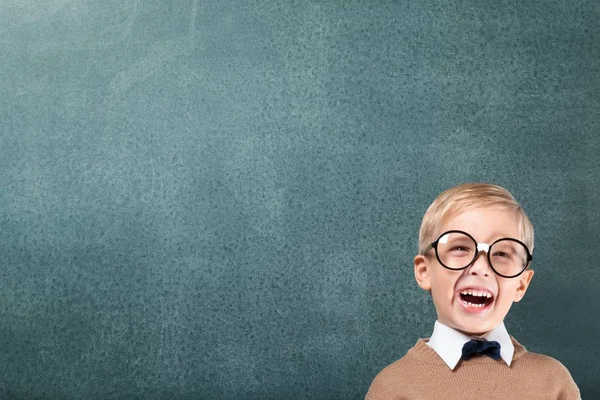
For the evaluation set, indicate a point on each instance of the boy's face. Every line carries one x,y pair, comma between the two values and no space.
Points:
485,225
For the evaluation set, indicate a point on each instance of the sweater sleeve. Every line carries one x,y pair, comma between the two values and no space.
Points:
568,388
570,391
379,390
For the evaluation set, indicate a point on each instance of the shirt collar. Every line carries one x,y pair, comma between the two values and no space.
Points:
448,343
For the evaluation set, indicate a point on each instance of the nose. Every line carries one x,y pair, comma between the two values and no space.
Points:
480,265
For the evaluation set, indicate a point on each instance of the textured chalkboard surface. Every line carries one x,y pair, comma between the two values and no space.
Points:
220,200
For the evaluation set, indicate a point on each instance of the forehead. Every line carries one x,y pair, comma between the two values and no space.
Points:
483,223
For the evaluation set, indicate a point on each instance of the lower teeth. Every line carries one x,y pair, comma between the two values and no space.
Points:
473,305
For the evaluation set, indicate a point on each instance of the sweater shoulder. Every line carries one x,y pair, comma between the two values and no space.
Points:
538,361
396,369
402,375
548,372
544,363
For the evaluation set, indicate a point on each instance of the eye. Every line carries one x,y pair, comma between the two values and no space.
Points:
460,248
502,254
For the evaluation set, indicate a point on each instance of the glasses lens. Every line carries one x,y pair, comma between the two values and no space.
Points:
456,250
508,257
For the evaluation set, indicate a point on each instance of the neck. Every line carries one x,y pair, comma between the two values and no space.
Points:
474,334
468,333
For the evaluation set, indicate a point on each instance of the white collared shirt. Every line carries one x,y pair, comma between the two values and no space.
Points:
448,343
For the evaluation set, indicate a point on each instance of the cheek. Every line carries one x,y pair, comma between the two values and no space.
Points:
443,286
507,295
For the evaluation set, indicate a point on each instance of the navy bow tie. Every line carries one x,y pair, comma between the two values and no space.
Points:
477,347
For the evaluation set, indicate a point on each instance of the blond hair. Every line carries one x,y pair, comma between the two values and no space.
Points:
468,196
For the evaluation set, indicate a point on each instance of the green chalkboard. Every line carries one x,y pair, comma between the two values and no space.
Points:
221,200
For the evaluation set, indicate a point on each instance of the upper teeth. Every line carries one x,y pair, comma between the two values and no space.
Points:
479,293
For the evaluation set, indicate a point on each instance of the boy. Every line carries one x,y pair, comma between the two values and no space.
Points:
475,246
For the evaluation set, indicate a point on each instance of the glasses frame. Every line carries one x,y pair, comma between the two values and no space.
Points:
480,247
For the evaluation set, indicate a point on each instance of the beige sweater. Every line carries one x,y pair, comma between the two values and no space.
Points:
422,374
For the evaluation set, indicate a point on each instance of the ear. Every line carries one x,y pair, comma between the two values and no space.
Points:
422,272
524,280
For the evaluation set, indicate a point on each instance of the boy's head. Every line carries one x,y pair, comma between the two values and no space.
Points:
473,286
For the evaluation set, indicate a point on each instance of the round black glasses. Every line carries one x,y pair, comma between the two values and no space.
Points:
457,250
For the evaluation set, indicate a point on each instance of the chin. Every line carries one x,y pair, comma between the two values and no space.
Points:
476,332
476,329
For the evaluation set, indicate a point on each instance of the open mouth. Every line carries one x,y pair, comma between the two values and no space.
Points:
476,298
